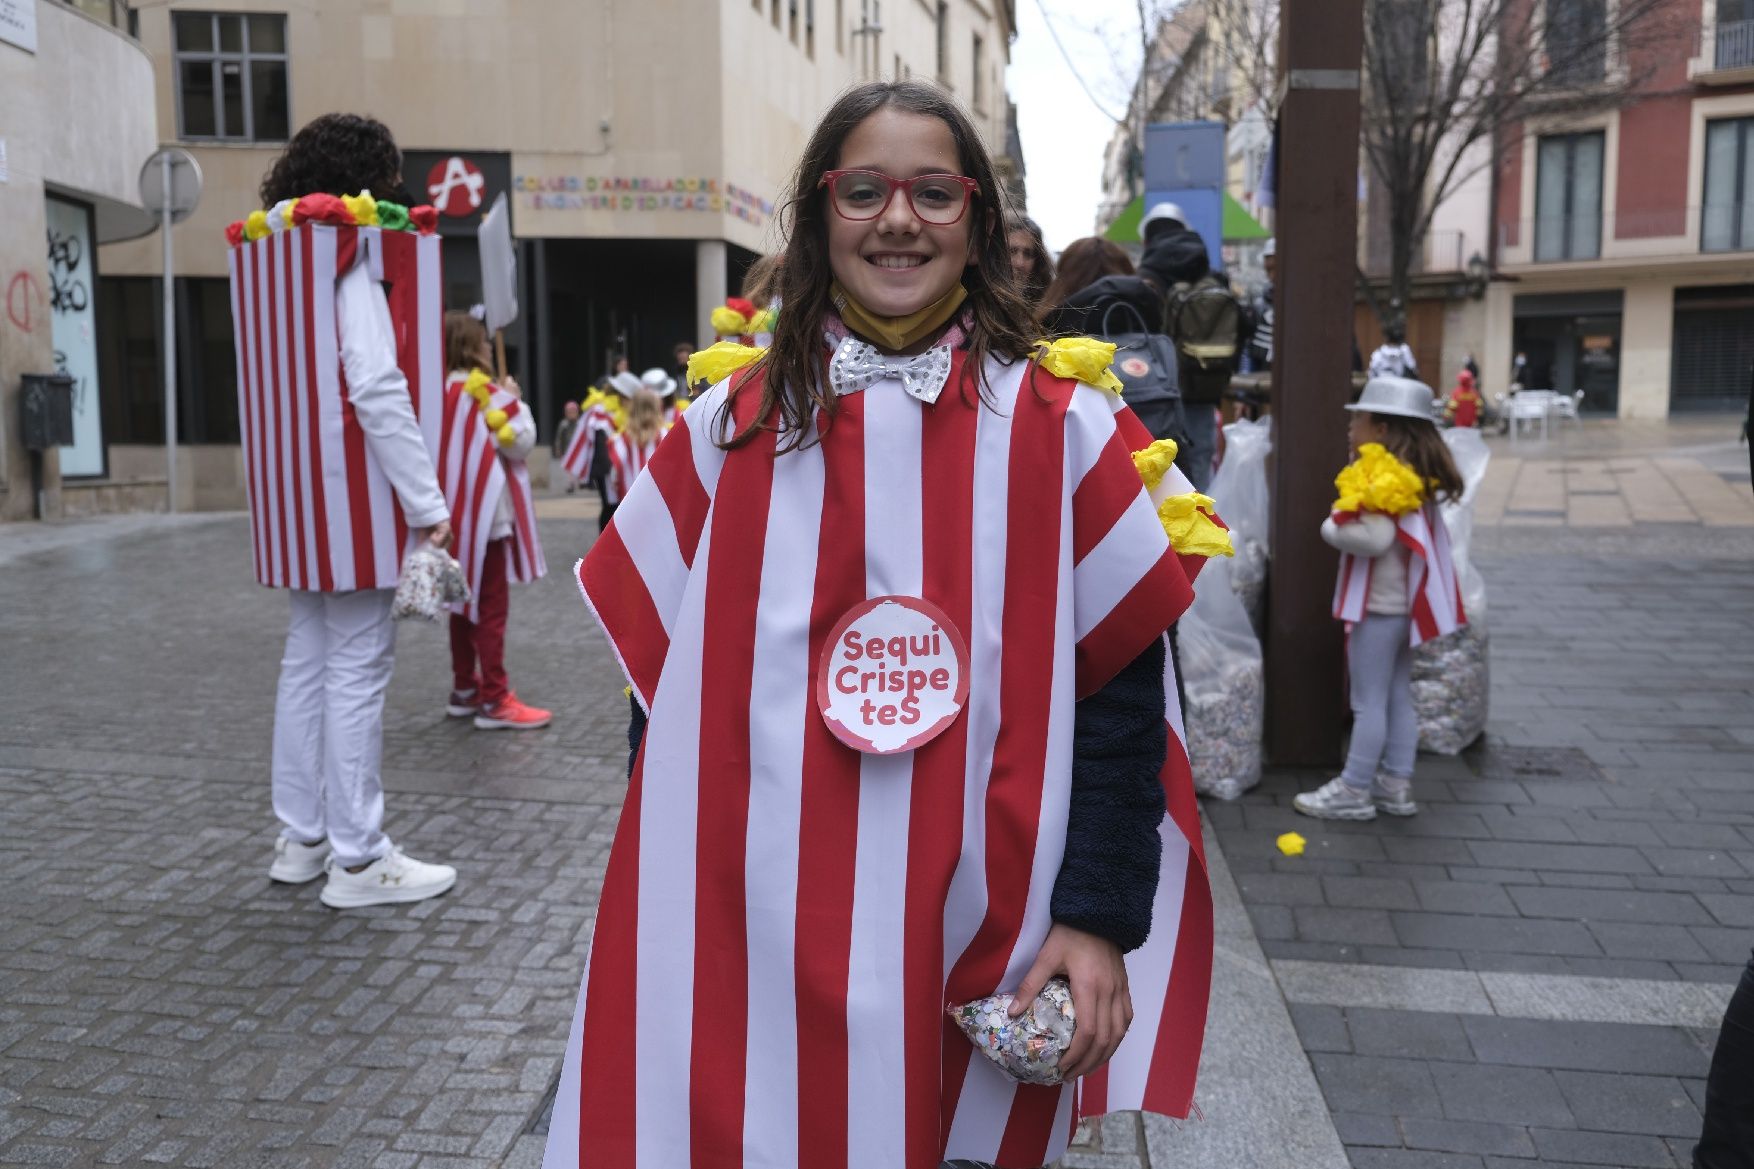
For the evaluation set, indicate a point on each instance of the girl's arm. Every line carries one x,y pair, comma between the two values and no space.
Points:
1108,878
523,429
1370,535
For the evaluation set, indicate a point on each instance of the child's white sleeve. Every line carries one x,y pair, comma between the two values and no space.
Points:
1370,535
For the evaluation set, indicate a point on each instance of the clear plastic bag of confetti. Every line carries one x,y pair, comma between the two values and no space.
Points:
1240,490
1028,1048
431,582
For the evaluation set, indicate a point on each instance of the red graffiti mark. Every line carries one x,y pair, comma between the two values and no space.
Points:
21,291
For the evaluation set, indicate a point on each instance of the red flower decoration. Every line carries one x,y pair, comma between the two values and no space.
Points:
234,233
424,217
747,308
322,209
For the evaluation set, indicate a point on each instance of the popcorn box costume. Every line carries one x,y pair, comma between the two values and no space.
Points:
600,413
785,918
480,417
323,515
1377,481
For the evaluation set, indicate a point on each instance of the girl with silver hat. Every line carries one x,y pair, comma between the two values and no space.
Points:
1397,587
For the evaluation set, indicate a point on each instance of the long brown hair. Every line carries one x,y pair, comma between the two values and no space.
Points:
761,281
645,416
1417,443
792,386
1083,263
466,343
1041,265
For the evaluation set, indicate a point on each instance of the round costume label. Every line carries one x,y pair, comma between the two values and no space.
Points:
893,675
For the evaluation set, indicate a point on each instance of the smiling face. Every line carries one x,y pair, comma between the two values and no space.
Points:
897,264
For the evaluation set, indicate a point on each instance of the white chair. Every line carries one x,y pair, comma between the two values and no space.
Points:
1529,406
1567,406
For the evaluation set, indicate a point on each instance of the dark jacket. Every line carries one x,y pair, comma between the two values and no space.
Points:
1174,256
1108,876
1082,313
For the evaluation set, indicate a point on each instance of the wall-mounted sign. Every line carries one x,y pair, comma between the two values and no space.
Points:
18,23
624,193
460,183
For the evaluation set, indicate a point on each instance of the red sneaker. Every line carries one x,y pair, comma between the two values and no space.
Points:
511,715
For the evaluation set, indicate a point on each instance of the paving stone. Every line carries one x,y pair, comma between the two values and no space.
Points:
1468,897
1466,1136
1515,935
1602,1047
1654,1105
1500,1095
1377,1086
1356,927
1320,1028
1633,1152
1582,858
1632,940
1359,1129
1407,1034
1369,893
1364,1158
1609,905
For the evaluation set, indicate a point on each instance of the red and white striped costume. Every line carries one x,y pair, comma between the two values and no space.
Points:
783,919
1434,591
474,477
582,449
323,515
627,459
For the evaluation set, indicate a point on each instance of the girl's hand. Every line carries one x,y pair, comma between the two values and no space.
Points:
439,535
1101,1002
509,384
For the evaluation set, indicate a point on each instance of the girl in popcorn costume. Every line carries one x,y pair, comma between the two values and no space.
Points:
486,438
602,415
341,480
1397,588
891,599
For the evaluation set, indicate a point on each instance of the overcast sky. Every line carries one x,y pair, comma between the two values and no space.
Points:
1063,131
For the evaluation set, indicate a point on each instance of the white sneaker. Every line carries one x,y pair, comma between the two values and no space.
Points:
393,878
1334,800
296,863
1392,795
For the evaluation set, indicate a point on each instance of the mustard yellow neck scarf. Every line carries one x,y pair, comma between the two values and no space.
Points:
896,333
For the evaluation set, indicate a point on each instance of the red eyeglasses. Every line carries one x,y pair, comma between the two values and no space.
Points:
862,195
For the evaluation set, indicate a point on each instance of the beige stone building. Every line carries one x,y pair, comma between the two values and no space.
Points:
642,146
76,123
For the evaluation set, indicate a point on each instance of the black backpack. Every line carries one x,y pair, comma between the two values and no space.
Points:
1205,320
1145,362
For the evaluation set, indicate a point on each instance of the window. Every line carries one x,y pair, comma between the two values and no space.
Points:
810,29
1576,41
1727,224
979,92
1568,197
132,366
231,76
1734,34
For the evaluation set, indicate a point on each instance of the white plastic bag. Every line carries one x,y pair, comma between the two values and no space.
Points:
1239,491
1222,676
1451,677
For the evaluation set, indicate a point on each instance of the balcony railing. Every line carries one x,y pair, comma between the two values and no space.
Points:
1633,234
1735,45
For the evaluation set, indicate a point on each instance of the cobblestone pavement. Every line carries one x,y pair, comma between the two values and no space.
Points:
1591,864
161,1002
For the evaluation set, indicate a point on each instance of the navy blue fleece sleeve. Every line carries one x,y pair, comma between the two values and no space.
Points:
1108,878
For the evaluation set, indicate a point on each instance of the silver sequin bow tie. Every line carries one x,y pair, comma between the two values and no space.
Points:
857,365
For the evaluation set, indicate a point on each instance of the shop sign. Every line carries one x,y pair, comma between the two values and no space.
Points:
18,23
571,192
462,184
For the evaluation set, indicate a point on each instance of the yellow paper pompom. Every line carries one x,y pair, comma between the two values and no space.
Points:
507,436
764,321
1154,462
727,320
1083,359
256,225
1378,481
682,405
362,207
715,363
496,418
1187,521
1291,844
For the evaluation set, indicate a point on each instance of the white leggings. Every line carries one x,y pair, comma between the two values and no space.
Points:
1385,729
329,722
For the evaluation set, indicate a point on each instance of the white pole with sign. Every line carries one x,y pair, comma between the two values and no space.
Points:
499,274
170,186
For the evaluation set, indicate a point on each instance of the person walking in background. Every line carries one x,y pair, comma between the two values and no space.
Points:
340,645
1030,262
1397,589
1463,407
563,436
1394,357
1092,275
632,449
495,513
1259,352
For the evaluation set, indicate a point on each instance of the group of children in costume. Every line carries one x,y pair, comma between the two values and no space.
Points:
893,602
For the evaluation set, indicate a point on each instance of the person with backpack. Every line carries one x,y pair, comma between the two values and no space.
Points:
1205,321
1394,357
1096,294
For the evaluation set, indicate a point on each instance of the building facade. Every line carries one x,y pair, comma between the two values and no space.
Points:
76,124
1625,237
642,148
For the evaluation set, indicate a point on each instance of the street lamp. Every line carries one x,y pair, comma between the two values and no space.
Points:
1479,272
